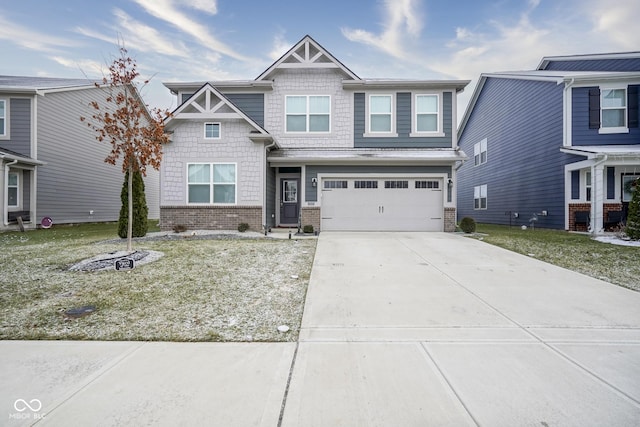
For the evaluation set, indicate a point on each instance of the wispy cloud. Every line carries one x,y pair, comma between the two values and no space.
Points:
32,39
402,20
168,11
138,36
617,21
88,67
280,46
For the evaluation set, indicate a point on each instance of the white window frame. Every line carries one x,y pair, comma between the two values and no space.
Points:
588,186
438,114
219,130
392,131
212,184
480,193
307,114
631,176
479,149
614,129
5,132
17,187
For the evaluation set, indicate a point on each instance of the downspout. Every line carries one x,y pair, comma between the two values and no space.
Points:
267,148
5,207
594,194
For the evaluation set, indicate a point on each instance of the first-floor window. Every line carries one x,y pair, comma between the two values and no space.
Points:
588,186
211,183
480,197
13,189
627,186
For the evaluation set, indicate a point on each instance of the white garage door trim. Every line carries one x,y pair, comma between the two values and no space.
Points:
382,202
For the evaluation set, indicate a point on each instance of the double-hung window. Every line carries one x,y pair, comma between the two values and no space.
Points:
212,131
480,152
308,113
426,110
13,190
380,114
211,183
613,108
3,117
480,197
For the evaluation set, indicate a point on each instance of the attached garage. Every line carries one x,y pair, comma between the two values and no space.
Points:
382,203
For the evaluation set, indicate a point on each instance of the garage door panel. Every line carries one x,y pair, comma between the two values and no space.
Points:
396,204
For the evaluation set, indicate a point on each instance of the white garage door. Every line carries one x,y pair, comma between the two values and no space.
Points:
382,204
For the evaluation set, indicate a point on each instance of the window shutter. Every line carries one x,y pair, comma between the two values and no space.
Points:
594,108
632,105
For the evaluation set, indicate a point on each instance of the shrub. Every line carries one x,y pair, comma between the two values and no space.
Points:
468,224
179,228
307,228
242,227
633,214
140,210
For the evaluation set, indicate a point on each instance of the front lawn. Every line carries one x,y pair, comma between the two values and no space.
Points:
612,263
219,289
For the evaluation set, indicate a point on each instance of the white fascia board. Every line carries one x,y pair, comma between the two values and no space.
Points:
457,85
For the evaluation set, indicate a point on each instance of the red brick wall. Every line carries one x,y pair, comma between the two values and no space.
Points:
577,207
310,216
450,220
211,217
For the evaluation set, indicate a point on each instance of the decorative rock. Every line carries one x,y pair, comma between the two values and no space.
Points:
294,276
283,328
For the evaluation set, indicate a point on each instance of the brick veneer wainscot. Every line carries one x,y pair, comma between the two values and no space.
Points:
211,217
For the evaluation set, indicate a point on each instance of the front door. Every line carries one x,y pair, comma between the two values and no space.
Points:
289,201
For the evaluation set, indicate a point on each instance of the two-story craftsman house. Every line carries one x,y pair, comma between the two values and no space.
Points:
308,142
556,147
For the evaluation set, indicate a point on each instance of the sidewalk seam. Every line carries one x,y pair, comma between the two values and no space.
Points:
286,389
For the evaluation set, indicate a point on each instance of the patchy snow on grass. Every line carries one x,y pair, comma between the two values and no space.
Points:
221,288
615,240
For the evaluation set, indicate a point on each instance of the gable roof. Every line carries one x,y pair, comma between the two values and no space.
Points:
307,53
222,109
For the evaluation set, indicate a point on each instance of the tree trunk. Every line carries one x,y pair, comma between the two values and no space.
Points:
130,200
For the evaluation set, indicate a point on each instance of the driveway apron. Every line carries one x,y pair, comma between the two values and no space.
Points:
420,329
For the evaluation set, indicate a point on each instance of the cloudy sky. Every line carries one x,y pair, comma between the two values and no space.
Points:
187,40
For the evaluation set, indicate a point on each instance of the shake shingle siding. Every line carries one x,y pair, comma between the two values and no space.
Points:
524,173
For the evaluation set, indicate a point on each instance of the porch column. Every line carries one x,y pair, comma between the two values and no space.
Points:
597,198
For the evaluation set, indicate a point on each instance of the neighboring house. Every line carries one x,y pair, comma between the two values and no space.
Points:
51,164
308,142
555,147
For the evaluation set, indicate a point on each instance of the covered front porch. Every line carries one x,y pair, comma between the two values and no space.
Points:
17,190
597,189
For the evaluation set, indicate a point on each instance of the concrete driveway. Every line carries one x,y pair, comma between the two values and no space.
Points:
418,329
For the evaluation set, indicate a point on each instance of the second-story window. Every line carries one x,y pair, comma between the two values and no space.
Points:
212,131
480,152
613,107
426,110
380,113
3,117
308,113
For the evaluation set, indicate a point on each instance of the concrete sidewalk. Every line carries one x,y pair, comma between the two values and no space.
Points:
400,329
